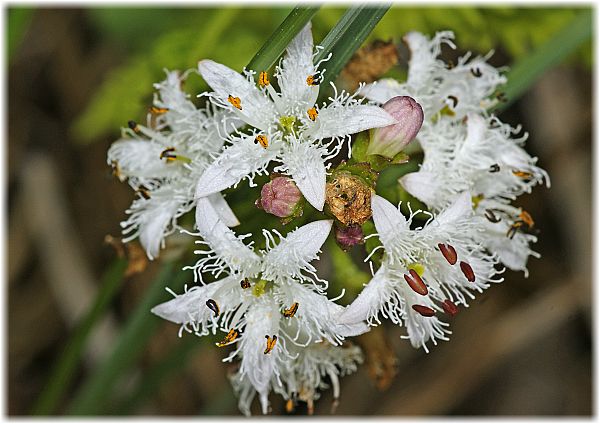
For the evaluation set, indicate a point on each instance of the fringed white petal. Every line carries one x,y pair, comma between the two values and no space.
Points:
225,213
383,90
386,216
339,121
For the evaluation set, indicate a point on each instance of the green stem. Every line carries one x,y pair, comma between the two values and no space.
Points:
92,397
555,50
283,35
62,374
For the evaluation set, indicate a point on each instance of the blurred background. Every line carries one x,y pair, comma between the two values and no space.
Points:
81,339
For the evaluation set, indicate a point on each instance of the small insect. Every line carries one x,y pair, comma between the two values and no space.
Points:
262,140
494,168
144,192
454,100
133,125
229,338
467,271
245,283
312,113
159,110
476,72
425,311
313,80
449,253
491,216
263,79
168,154
291,311
270,344
212,305
235,102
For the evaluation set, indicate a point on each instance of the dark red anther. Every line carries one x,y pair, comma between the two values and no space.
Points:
449,307
426,311
449,253
416,283
467,271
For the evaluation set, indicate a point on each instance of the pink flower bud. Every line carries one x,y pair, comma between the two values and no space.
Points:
280,197
389,141
347,237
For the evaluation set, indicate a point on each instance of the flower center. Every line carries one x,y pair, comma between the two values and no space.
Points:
287,123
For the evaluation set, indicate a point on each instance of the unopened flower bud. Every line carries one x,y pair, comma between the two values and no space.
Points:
347,237
389,141
280,197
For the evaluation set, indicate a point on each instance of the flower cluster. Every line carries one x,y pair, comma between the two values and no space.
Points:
264,300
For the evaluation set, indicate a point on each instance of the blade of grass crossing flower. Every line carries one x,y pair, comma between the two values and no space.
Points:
92,397
62,374
350,32
279,40
551,53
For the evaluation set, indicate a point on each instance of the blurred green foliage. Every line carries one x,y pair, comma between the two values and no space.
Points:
152,39
18,22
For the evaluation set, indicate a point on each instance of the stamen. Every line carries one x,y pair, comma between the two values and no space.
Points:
501,96
270,344
262,140
263,79
132,125
245,283
229,338
159,110
467,271
476,72
313,80
289,406
168,154
449,307
495,168
489,214
522,174
235,102
116,169
449,253
291,311
144,192
425,311
212,305
513,229
454,101
416,283
527,219
312,113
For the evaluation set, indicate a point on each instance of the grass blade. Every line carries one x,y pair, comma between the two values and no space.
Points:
554,51
92,397
62,374
279,40
347,36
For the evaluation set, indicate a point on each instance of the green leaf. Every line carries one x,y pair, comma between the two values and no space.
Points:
92,398
347,36
63,372
279,40
19,19
551,53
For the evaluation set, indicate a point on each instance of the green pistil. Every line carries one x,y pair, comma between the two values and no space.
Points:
259,288
287,123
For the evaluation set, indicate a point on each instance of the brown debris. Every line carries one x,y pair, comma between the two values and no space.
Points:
380,358
137,261
370,63
349,199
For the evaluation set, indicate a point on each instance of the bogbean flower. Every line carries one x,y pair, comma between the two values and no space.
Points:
441,89
484,159
163,164
270,304
286,126
424,272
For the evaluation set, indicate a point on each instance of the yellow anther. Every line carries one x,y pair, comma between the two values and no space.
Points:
235,102
312,113
522,174
229,338
262,140
291,311
144,192
263,79
158,110
270,344
171,157
527,219
313,80
245,283
475,200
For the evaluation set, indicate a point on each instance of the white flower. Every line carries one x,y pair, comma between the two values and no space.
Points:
424,271
454,91
484,159
163,164
269,304
287,126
